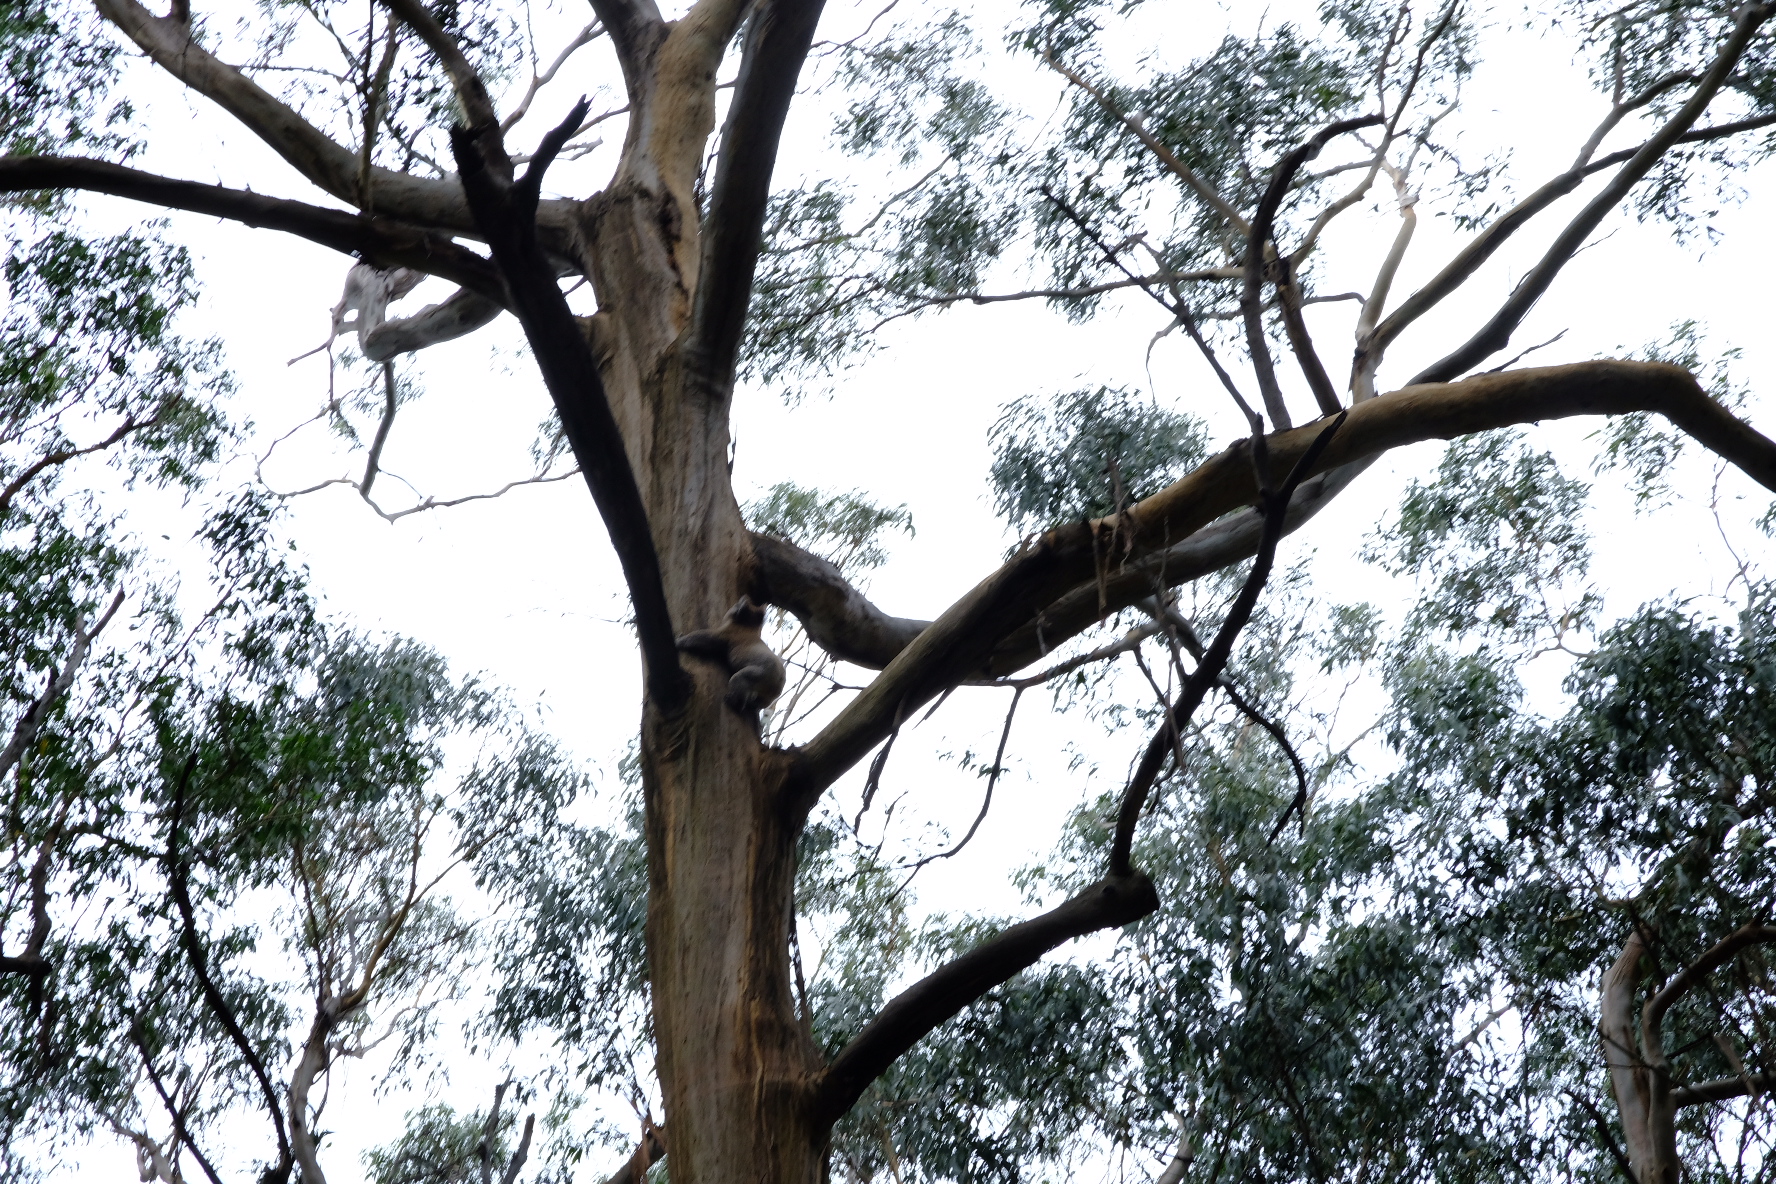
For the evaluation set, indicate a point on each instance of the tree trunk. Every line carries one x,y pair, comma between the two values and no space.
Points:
733,1057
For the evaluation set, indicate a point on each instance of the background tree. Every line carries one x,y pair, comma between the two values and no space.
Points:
1189,186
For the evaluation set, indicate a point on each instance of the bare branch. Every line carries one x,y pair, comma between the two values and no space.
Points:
912,1014
381,241
317,157
471,92
538,81
507,215
1257,245
778,34
1495,335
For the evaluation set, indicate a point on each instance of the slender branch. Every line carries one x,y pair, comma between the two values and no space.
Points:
1469,259
62,456
1167,739
959,645
538,81
915,1012
778,34
1605,1137
373,462
180,1130
1495,335
1166,156
26,729
506,212
1178,630
381,241
180,889
471,92
1257,244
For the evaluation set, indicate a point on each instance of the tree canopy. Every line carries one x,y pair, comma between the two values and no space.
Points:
1454,868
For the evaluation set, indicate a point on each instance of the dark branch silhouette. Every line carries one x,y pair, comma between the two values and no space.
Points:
381,241
506,212
1116,900
1257,240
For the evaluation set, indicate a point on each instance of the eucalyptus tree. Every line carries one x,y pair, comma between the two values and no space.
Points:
1185,184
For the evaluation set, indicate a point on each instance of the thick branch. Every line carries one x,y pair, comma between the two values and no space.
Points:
915,1012
506,213
326,163
1723,1089
1637,1099
384,242
1224,543
838,618
959,644
636,30
777,38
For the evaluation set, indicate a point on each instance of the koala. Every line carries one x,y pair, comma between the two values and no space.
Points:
757,673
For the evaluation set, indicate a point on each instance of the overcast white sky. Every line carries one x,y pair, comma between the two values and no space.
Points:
524,588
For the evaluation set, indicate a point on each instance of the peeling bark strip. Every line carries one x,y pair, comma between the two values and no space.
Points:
957,645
